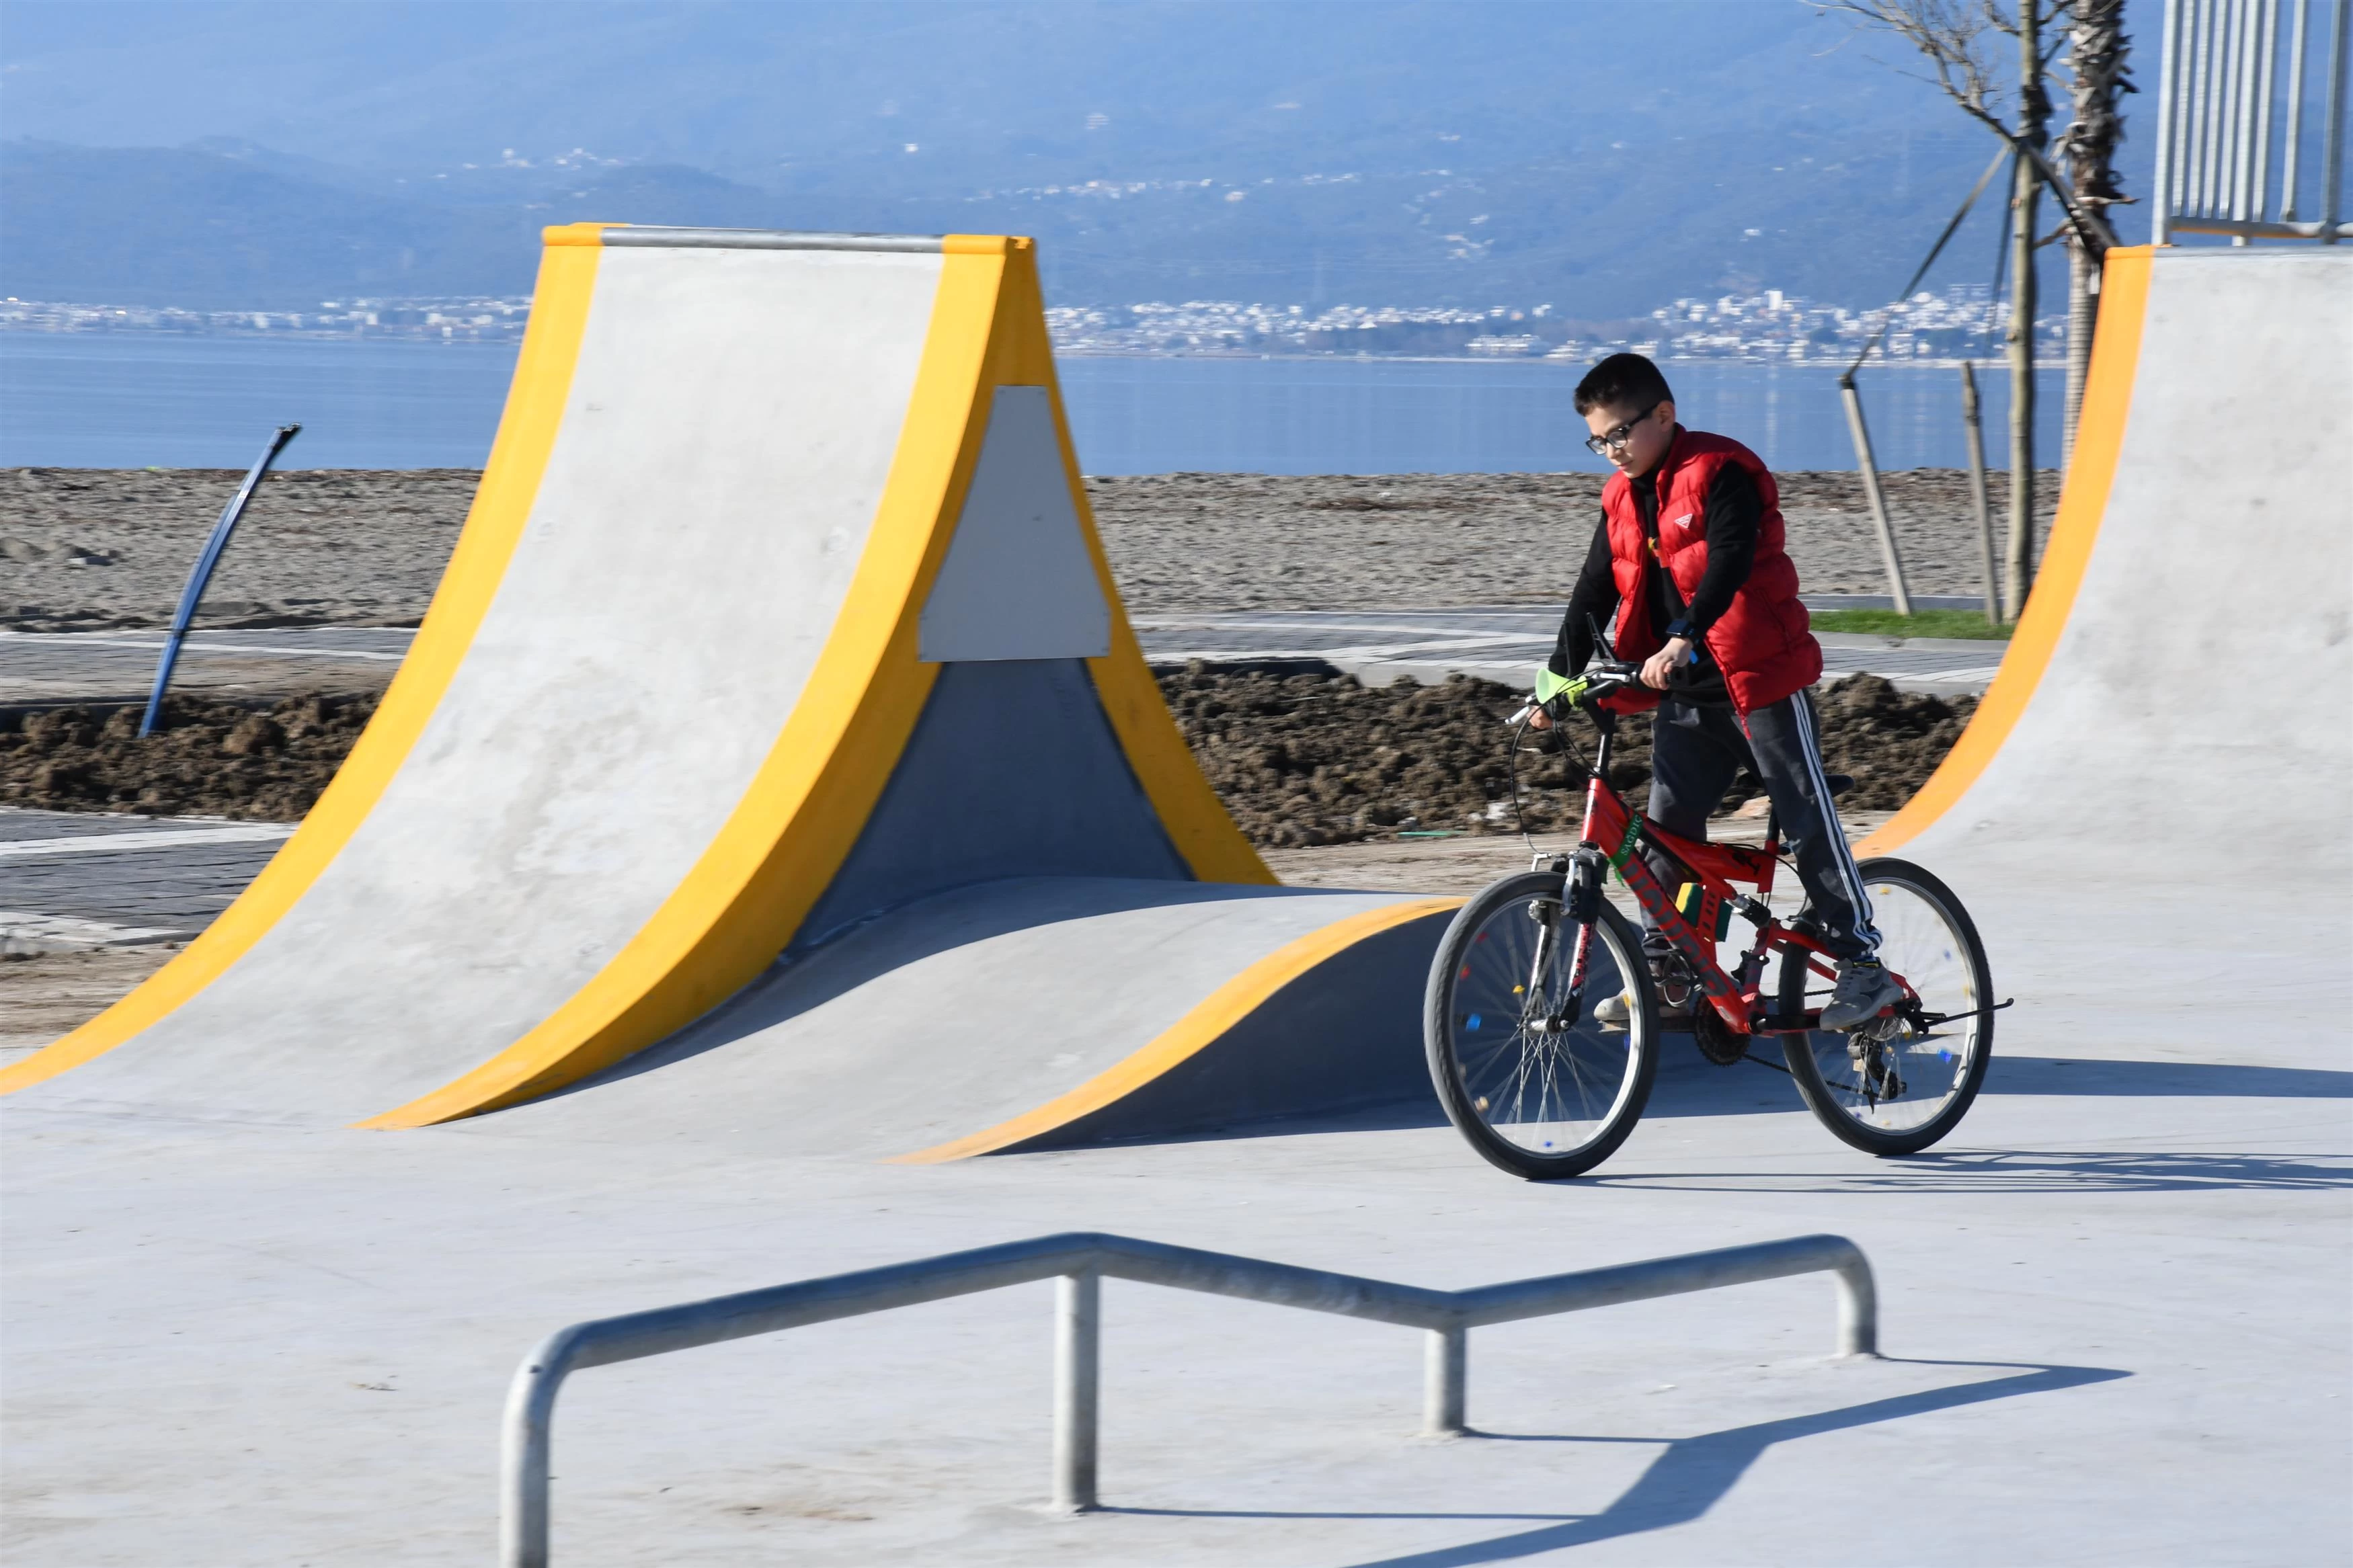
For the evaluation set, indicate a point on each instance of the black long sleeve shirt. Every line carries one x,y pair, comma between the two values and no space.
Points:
1735,513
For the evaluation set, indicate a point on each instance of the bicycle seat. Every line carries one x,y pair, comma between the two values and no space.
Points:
1839,784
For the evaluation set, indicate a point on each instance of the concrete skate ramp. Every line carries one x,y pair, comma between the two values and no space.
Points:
2149,807
1040,1014
779,618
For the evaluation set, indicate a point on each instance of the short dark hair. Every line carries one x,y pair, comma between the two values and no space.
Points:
1623,380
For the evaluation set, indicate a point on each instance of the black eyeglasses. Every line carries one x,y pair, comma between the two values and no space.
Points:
1602,446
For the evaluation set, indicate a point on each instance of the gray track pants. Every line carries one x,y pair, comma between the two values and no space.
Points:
1696,752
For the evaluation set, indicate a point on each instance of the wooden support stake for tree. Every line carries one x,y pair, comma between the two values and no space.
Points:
1887,551
1986,566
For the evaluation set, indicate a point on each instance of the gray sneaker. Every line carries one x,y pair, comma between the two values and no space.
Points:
1613,1012
1864,987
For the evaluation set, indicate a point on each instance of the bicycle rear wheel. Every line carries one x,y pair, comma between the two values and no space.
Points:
1900,1093
1537,1086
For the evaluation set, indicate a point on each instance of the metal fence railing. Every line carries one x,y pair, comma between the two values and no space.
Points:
1080,1262
2236,96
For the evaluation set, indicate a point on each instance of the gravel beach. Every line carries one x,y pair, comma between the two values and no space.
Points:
95,549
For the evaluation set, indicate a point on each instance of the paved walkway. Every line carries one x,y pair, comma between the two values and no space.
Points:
113,666
1504,643
1496,642
73,880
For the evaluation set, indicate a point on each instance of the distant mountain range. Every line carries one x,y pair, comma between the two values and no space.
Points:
1602,158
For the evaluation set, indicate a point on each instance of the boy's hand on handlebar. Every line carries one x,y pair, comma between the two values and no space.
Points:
1656,669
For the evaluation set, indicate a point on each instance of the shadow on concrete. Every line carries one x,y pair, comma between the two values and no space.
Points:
1692,1474
2063,1075
807,979
1939,1171
1689,1085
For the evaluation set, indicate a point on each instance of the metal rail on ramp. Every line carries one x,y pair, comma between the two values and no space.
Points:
1080,1261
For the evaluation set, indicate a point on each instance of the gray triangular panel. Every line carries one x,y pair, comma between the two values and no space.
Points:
1017,581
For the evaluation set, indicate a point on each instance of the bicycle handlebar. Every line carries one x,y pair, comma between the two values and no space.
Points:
1600,678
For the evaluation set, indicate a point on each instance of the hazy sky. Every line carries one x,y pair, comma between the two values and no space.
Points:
1634,149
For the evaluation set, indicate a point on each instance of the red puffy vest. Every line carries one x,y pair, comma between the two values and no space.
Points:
1761,644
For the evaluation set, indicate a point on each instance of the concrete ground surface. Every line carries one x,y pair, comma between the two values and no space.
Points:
238,1345
298,1341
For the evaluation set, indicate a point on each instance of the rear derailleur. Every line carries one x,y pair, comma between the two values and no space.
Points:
1872,1049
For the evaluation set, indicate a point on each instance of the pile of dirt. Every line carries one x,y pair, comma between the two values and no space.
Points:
1300,759
1312,759
1888,741
208,759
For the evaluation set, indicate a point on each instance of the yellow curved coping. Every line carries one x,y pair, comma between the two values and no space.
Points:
802,813
2083,505
494,524
1207,1022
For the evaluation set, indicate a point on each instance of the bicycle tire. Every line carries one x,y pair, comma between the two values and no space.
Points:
1928,937
1590,1084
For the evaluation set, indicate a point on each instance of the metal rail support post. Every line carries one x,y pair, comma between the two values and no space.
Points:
1078,1263
1444,1374
1078,1386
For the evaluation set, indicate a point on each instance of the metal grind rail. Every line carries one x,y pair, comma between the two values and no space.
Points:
1080,1261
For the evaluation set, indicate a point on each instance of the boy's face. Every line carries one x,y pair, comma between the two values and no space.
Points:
1634,438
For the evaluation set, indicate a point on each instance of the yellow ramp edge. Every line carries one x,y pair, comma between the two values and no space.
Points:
804,810
502,503
1223,1008
2083,505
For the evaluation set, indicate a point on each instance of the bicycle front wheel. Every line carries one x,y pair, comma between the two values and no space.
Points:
1538,1086
1900,1093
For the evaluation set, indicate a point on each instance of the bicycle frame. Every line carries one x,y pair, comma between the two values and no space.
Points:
1612,836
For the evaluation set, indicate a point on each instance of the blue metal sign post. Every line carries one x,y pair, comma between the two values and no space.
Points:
194,592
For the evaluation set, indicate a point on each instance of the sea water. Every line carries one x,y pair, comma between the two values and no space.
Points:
134,400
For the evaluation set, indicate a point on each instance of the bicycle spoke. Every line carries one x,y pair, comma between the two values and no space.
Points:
1537,1086
1901,1087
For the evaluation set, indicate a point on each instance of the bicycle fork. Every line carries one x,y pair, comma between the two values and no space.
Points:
1537,1012
1579,903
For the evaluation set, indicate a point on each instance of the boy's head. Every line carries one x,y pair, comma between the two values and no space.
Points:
1630,412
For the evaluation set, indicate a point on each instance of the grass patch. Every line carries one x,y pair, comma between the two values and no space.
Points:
1919,623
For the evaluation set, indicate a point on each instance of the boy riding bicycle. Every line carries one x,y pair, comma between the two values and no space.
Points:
1689,556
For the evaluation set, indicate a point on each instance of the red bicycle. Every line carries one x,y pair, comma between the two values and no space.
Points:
1543,1089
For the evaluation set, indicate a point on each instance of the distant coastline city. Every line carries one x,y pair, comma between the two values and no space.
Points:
1766,327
